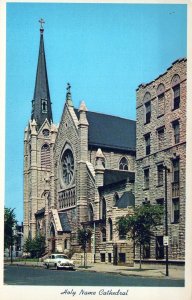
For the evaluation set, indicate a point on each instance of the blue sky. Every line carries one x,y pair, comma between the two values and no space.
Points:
104,50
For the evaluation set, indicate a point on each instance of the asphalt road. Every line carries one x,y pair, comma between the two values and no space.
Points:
25,275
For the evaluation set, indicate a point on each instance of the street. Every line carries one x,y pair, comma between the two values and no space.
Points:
25,275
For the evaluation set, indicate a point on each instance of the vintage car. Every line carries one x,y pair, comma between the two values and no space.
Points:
59,261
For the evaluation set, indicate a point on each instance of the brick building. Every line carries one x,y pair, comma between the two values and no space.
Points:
161,141
86,172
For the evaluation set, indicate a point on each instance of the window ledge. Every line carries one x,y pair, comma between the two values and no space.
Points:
159,185
161,115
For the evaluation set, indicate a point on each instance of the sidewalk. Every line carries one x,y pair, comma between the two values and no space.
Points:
152,271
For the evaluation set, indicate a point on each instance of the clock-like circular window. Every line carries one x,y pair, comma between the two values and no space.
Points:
67,166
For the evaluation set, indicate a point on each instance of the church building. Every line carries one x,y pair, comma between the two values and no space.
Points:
78,174
93,168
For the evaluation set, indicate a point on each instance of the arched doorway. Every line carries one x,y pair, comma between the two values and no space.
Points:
52,238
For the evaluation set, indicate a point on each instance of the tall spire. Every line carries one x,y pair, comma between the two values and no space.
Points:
41,103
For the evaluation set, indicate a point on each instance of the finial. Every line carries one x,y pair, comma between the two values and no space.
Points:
68,88
41,21
68,95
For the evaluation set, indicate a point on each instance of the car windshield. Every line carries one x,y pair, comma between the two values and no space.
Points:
61,256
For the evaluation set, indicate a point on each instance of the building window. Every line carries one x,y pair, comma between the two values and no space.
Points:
103,209
159,247
146,179
110,229
103,235
147,144
160,175
176,131
147,107
176,170
161,137
146,249
44,106
148,112
90,212
176,100
175,210
122,234
45,156
66,246
115,199
175,183
161,99
176,91
123,164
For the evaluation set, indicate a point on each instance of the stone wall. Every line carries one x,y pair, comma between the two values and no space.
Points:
165,153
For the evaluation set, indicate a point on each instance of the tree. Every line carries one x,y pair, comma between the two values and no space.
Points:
9,223
36,246
84,236
141,224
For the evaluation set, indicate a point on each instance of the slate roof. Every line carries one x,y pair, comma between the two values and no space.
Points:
64,222
106,131
40,211
127,199
41,91
115,176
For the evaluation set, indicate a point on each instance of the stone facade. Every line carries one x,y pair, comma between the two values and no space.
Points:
161,140
86,171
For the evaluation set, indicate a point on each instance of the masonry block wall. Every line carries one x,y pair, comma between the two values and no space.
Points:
161,140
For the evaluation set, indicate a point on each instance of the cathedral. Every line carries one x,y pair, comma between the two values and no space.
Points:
79,174
86,172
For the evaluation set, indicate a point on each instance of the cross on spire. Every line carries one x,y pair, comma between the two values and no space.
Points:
41,21
68,87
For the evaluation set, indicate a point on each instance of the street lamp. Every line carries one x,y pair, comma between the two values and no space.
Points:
166,222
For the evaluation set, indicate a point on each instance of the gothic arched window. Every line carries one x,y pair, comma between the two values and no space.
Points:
123,164
110,229
103,208
45,156
66,244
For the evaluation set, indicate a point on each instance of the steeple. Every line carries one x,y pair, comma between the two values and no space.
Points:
41,103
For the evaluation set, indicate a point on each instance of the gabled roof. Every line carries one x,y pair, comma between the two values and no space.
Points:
116,176
127,199
64,221
106,131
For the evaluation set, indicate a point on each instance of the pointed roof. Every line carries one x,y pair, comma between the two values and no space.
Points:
41,103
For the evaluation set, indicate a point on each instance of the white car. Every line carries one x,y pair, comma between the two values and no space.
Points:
60,261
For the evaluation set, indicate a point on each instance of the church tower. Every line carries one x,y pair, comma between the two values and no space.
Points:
39,140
